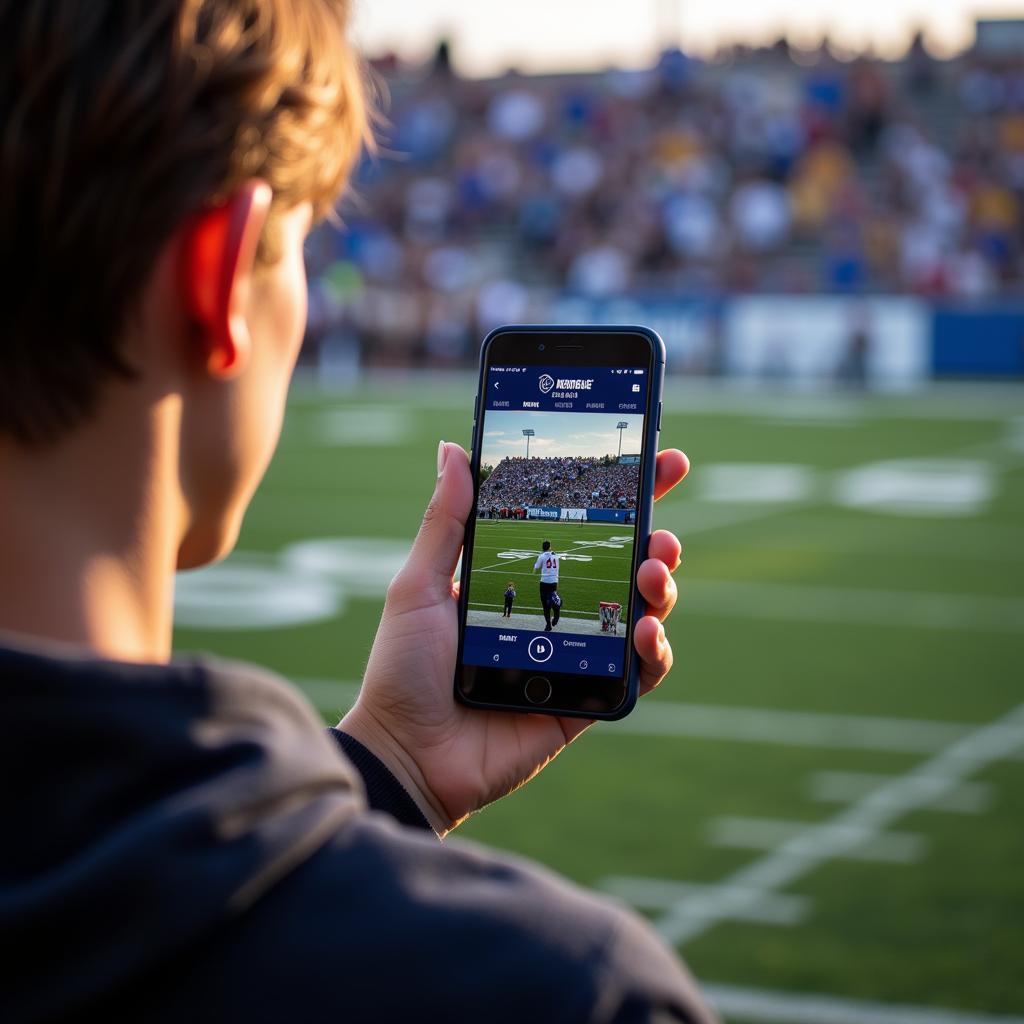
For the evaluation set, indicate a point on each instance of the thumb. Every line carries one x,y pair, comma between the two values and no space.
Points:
435,552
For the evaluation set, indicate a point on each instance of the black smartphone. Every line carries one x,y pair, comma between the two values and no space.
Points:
565,437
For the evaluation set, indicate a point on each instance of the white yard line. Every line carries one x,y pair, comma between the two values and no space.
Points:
329,694
690,516
852,606
659,894
571,579
577,546
506,561
787,728
742,833
764,1006
939,402
845,787
773,726
853,826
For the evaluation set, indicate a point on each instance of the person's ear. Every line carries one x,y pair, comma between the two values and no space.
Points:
218,255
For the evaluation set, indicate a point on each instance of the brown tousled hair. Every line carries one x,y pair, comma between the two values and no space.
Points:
120,118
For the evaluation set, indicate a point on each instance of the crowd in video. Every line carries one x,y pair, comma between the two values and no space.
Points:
567,482
768,171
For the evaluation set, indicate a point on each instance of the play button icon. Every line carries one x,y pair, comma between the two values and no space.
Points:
540,648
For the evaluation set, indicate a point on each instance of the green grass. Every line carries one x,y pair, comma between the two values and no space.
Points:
947,930
594,567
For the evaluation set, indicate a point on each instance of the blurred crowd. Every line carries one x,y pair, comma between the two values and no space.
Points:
766,171
567,482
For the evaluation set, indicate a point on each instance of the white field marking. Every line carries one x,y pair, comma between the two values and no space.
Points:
659,894
525,607
510,553
588,579
330,694
570,625
870,815
764,1006
362,426
673,719
447,390
845,787
507,561
943,402
251,592
739,833
571,555
689,516
787,728
516,555
754,483
917,487
853,606
360,565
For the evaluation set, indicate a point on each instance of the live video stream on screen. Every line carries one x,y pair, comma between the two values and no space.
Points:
550,574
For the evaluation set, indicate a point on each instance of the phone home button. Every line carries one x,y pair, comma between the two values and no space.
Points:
537,690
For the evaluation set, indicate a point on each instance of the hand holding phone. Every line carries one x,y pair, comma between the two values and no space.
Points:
452,759
569,519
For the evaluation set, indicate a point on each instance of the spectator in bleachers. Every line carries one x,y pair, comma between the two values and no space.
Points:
568,482
762,173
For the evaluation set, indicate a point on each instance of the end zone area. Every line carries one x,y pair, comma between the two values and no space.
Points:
595,567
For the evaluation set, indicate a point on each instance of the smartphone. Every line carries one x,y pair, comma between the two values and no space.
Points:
565,436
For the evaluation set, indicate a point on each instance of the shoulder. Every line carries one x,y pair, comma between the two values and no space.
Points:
400,916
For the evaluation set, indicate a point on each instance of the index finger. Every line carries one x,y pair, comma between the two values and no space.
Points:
671,467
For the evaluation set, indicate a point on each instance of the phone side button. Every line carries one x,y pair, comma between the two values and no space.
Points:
660,404
537,690
476,408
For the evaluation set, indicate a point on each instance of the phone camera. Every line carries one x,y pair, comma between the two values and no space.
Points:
540,348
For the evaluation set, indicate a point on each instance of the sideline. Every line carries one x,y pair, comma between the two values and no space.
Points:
763,1006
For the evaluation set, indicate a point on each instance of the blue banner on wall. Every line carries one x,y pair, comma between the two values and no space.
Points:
983,342
611,515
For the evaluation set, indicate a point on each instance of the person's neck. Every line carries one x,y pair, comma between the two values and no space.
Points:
89,539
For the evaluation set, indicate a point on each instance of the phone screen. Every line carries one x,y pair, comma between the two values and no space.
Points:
551,572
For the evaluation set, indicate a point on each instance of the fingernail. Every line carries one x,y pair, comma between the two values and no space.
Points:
442,457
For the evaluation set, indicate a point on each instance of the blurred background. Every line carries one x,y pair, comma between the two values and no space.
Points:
822,212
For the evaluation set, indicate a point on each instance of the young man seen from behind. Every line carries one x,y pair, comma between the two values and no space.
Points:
183,838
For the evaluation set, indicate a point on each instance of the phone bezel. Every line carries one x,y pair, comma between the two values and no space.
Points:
573,694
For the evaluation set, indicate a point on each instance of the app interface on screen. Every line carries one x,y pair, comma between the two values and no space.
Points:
549,581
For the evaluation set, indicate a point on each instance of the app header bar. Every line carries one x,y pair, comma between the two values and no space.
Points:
602,389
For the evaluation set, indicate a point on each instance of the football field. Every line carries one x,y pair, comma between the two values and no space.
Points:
822,807
593,567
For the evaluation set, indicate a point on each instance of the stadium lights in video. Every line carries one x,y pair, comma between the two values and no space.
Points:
620,427
528,433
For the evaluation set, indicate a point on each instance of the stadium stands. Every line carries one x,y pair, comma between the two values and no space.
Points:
566,482
769,171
